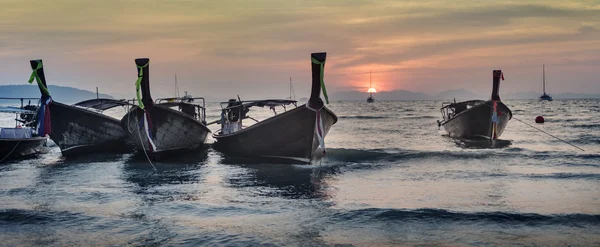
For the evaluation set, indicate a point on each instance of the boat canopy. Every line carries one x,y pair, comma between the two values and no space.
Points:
188,99
101,104
263,103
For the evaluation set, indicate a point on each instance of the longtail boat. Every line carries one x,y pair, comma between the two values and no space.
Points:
80,128
166,126
295,134
22,139
477,118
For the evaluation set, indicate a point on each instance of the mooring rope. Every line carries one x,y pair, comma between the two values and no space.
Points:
142,142
11,151
548,134
542,131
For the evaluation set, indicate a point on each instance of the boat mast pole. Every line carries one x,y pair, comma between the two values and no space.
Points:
97,95
291,89
370,85
176,87
544,77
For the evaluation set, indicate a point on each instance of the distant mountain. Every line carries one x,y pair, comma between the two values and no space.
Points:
458,94
385,95
521,95
574,96
62,94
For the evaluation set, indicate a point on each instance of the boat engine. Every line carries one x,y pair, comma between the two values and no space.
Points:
28,119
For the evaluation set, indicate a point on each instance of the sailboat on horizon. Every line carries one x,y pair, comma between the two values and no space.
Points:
370,90
544,96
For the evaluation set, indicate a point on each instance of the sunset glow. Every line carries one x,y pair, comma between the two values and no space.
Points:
240,46
372,90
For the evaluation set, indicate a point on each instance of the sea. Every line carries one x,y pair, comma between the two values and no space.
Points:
390,177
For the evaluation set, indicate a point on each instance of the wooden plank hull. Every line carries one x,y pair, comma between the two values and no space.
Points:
79,131
289,135
14,148
477,122
171,131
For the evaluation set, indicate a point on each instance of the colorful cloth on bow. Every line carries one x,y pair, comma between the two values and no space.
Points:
146,125
495,121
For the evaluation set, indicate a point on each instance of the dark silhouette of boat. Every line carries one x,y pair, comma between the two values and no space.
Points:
81,128
21,140
477,118
293,134
166,126
544,96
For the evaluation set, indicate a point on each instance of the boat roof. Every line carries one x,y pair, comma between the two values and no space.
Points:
101,104
14,109
263,103
175,101
468,102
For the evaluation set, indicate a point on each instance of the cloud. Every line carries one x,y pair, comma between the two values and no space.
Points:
255,46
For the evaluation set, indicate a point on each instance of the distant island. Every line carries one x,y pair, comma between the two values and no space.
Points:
458,94
59,93
73,95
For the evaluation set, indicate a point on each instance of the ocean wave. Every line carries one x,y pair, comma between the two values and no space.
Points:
23,216
587,126
362,117
394,155
391,155
562,175
441,215
421,117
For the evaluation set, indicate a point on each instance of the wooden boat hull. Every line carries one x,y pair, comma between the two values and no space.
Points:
14,148
477,122
78,131
172,131
289,135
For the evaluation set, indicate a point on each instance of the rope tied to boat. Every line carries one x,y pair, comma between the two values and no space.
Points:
315,61
529,125
138,84
11,151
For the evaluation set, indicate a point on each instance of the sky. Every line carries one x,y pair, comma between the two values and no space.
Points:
220,49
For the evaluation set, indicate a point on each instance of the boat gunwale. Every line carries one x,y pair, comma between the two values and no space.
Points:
33,138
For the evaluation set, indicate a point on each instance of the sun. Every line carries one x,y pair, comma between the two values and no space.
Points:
372,90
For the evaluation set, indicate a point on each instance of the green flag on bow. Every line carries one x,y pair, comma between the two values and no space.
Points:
315,61
34,75
138,85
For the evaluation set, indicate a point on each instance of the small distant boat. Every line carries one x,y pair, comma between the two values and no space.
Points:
370,99
544,96
80,128
477,118
295,134
166,126
20,140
